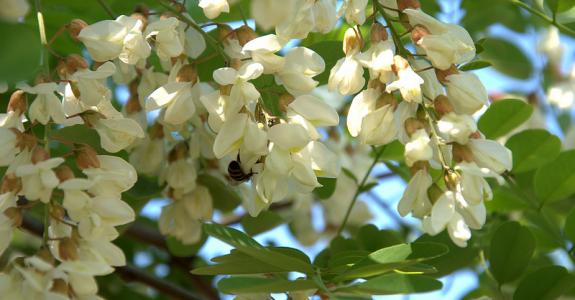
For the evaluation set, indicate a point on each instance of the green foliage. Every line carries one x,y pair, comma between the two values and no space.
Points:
223,196
479,17
327,188
475,65
265,221
248,285
546,283
503,116
532,149
512,247
179,249
20,53
556,180
569,228
506,58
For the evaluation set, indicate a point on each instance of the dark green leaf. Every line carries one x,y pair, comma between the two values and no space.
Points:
556,180
506,58
80,134
511,249
330,51
456,258
547,283
569,229
532,149
327,188
390,284
503,116
475,65
237,263
250,285
177,248
20,52
265,221
225,199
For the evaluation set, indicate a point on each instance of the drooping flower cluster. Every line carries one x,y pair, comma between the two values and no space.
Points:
433,118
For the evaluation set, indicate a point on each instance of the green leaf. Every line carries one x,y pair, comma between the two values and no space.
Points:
237,263
80,134
556,180
327,188
503,116
569,229
177,248
391,284
478,19
532,149
392,151
20,52
279,257
265,221
546,283
249,285
506,58
390,258
225,199
511,249
455,259
475,65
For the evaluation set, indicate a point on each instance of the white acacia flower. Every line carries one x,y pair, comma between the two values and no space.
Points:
404,111
104,40
254,145
561,94
335,207
354,11
550,45
431,86
474,187
444,215
175,221
299,21
168,40
230,136
269,13
446,44
113,177
301,64
38,180
8,147
135,47
92,84
262,50
149,82
322,160
289,137
195,43
492,155
213,8
270,187
346,76
242,90
148,156
181,175
311,112
378,127
325,15
418,148
117,134
415,199
46,105
456,128
7,200
361,105
408,82
466,93
379,60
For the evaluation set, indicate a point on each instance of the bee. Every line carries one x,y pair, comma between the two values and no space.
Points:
236,173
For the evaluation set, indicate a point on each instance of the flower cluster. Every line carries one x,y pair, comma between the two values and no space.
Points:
433,117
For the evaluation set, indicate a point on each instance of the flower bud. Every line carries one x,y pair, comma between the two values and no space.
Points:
15,215
58,212
75,27
284,101
399,64
226,32
70,65
25,140
452,179
142,9
461,153
180,151
157,131
245,34
442,74
225,90
39,154
18,102
442,105
60,286
133,105
68,249
418,32
376,84
386,99
377,33
142,17
419,165
64,173
352,41
405,4
412,125
11,183
87,158
187,73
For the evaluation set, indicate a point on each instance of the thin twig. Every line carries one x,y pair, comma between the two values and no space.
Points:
358,189
541,15
107,8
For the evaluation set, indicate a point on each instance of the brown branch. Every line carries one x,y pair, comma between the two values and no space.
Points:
127,273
